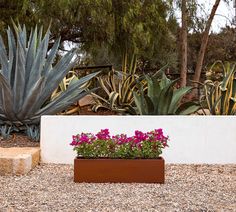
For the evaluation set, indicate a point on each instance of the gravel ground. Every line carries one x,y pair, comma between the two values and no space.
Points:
187,188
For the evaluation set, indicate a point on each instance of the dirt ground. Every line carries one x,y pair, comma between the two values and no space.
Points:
86,110
18,140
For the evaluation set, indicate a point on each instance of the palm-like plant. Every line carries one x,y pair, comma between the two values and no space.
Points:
28,77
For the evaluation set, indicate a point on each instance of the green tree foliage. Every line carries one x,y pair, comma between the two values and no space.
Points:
21,10
104,29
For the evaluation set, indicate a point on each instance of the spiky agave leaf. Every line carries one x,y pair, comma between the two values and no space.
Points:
220,96
177,96
187,108
119,87
28,77
163,99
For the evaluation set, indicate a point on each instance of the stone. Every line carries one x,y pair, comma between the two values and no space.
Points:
22,164
87,100
18,160
6,166
35,157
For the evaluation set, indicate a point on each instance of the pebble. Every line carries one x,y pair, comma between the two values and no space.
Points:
50,187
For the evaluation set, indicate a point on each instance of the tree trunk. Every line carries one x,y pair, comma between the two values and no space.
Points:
184,44
202,51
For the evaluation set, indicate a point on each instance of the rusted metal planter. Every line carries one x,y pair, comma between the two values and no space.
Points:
119,170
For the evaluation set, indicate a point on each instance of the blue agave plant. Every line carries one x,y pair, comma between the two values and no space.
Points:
28,76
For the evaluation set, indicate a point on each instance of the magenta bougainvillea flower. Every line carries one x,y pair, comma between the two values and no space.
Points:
102,144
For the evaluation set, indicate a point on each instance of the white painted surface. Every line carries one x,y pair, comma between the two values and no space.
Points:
193,139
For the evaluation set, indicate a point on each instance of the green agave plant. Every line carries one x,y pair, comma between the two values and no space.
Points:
163,99
28,77
118,87
221,96
66,83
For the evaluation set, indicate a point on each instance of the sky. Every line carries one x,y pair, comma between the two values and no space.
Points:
223,10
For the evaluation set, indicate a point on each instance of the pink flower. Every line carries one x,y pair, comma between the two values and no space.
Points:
103,135
140,136
84,138
73,143
159,131
74,140
135,141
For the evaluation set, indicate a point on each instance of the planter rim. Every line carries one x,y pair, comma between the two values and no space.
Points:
133,159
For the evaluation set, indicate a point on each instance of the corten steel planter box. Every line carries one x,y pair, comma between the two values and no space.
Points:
119,170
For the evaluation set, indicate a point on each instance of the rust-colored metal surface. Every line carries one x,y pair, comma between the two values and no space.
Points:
119,170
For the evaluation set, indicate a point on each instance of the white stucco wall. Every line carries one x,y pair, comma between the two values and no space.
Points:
193,139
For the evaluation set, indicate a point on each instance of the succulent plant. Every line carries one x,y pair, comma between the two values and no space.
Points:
28,77
33,132
118,87
162,98
221,95
69,80
5,131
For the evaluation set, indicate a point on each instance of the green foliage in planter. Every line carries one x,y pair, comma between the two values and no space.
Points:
109,149
221,95
102,145
28,77
162,98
